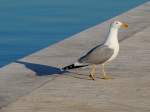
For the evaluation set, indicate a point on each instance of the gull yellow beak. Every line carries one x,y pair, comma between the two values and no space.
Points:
124,25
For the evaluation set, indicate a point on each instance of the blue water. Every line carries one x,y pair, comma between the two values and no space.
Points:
29,25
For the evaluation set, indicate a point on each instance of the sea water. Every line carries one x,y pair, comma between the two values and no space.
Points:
29,25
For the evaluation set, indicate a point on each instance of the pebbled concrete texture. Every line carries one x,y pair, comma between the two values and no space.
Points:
35,83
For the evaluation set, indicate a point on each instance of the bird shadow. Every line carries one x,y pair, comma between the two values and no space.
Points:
81,76
41,70
45,70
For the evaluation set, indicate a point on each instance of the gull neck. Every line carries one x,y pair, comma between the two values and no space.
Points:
112,38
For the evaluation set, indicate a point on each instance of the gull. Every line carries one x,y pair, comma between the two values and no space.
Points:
102,53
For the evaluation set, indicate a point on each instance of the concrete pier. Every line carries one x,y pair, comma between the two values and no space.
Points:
35,84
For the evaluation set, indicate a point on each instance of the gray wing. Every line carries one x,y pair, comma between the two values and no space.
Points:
97,55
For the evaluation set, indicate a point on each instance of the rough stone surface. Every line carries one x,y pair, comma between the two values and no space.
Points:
35,84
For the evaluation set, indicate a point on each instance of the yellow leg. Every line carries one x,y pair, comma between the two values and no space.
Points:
105,77
77,71
92,73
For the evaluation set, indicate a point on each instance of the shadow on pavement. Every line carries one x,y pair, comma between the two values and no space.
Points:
41,70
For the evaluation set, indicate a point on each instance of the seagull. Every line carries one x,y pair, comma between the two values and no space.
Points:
102,53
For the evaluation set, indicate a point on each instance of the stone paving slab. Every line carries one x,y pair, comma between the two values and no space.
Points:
36,78
128,91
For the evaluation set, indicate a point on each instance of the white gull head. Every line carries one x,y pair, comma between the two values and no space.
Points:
118,24
112,39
